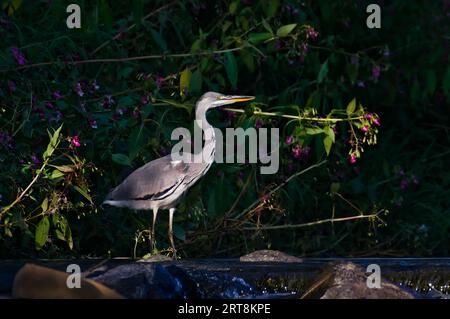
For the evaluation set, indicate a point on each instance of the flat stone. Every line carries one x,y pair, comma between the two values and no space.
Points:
350,282
270,256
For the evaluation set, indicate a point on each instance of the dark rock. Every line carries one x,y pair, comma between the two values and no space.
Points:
270,256
142,281
350,282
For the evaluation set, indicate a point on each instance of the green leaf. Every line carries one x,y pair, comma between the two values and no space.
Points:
327,142
270,7
54,140
105,14
232,69
138,7
83,192
233,7
286,29
267,26
41,234
121,159
135,142
159,40
329,132
44,205
179,232
446,82
64,168
314,131
195,84
125,72
248,60
351,107
322,72
431,82
56,174
256,38
185,79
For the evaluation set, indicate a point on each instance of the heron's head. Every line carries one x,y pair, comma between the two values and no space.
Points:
213,99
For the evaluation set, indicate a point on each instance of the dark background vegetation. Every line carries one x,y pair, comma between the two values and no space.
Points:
117,115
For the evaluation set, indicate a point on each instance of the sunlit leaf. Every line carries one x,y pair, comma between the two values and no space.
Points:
185,79
83,192
41,234
285,30
351,107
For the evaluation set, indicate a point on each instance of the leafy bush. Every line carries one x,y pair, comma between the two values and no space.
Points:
81,108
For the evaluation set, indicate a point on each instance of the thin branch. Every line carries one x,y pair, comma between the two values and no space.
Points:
121,60
323,221
19,198
297,117
118,35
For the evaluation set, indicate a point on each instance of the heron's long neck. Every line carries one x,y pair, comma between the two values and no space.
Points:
208,150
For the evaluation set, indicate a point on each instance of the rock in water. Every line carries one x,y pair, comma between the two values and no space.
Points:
142,281
350,282
270,256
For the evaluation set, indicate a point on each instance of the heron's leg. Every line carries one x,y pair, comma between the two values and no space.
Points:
171,211
152,230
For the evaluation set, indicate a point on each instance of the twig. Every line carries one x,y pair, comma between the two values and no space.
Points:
328,220
131,27
121,60
281,185
297,117
19,198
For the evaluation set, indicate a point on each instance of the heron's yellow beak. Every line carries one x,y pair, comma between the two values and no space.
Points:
236,98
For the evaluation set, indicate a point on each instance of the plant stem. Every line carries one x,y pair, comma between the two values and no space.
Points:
297,117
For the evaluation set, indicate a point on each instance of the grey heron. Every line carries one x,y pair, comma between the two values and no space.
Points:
161,183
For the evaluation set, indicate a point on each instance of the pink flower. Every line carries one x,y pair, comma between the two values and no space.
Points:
258,123
352,158
311,33
289,139
20,58
376,121
368,116
74,140
365,129
297,151
159,81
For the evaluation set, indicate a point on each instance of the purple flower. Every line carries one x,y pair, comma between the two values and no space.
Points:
107,101
79,89
75,141
36,161
386,53
6,140
137,115
303,48
57,95
92,123
145,99
258,123
49,105
56,117
159,81
95,86
365,128
279,45
354,59
368,116
289,139
361,84
11,86
20,58
376,71
404,183
352,159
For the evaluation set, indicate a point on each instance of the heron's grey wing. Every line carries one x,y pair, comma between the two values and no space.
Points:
154,180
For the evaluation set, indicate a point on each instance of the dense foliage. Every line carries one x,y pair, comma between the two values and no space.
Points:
81,108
